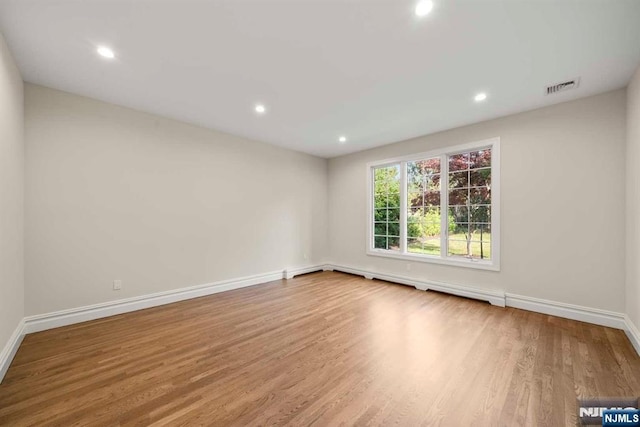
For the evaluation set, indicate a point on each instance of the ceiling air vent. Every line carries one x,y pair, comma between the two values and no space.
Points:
561,87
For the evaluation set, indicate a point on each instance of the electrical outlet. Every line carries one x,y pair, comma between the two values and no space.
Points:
306,257
408,266
117,285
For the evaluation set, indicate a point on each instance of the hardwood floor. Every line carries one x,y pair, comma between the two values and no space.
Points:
322,349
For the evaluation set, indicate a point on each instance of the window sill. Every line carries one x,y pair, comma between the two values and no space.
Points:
465,263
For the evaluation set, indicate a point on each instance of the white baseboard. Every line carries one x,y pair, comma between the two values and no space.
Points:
495,297
290,273
632,333
568,311
46,321
10,349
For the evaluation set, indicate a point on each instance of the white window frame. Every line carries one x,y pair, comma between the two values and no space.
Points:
492,264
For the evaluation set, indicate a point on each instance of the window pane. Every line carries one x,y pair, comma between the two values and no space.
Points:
393,244
413,212
473,249
380,242
458,197
432,213
480,196
416,200
459,162
459,228
457,246
423,206
387,173
386,188
481,240
480,213
480,231
432,199
428,246
432,183
469,231
393,200
482,250
459,179
480,177
424,167
393,229
414,187
380,229
480,159
423,176
459,213
423,230
414,245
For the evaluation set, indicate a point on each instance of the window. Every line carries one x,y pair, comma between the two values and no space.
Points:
441,206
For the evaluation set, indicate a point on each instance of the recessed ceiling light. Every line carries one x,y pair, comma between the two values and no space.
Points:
260,109
480,97
423,8
106,52
342,139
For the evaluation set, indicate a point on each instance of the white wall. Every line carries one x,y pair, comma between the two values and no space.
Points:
11,196
562,207
116,194
113,193
633,200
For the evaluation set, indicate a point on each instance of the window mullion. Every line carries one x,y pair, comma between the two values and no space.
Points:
403,207
444,209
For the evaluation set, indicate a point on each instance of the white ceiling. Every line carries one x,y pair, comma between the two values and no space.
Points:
370,70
